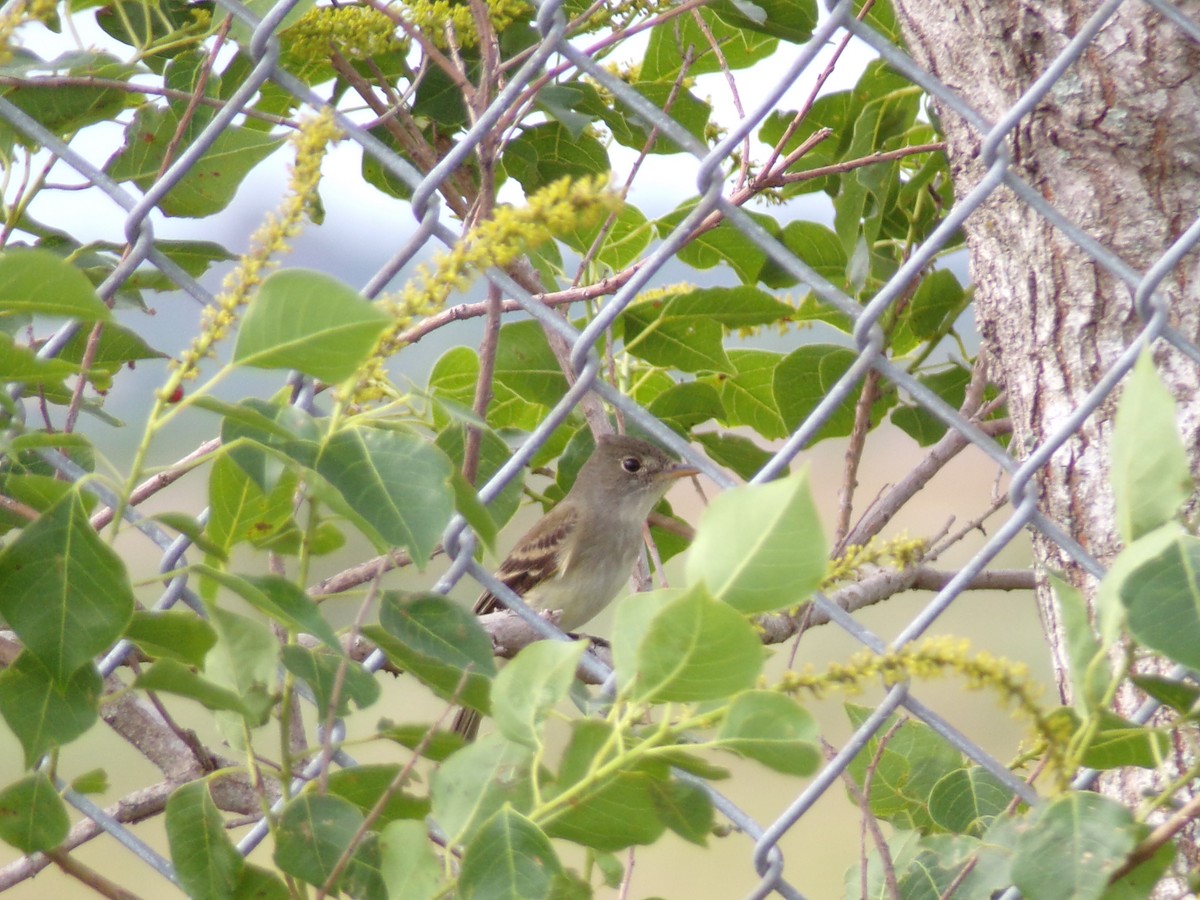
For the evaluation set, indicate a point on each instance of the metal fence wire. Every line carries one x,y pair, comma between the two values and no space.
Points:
430,227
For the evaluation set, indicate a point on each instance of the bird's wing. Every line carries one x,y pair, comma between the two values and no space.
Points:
536,558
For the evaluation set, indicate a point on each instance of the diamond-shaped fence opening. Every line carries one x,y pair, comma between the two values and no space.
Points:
557,80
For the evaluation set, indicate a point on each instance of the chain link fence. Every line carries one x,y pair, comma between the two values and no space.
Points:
430,227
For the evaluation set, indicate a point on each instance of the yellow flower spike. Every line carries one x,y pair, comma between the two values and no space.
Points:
271,238
554,209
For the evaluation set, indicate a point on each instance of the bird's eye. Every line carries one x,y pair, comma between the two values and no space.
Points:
631,464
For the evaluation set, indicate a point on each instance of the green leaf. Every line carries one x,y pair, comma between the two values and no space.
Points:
436,640
1162,599
791,20
493,453
735,452
1117,742
245,658
935,305
314,830
968,800
614,811
690,345
409,866
41,283
476,782
917,421
20,365
1178,695
319,671
776,564
531,685
43,713
206,187
671,42
526,367
363,785
308,321
173,677
772,729
684,406
283,601
257,883
508,857
1074,845
906,768
32,815
802,380
207,863
63,590
623,243
64,112
239,509
683,807
91,782
395,485
749,394
1087,661
1150,475
723,244
674,658
544,153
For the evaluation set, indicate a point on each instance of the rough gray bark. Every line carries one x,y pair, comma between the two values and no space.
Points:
1115,147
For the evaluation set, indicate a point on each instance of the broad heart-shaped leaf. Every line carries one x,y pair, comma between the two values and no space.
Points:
64,591
363,785
239,510
314,830
320,671
906,768
1150,474
481,778
792,20
610,812
684,406
671,42
508,857
1162,598
545,153
735,452
41,283
282,600
407,861
749,395
436,640
308,321
684,807
395,485
772,729
208,186
32,815
173,634
42,713
690,345
777,563
531,685
968,800
1073,846
694,648
804,377
208,865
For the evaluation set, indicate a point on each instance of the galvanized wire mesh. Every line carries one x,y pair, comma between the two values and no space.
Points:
431,226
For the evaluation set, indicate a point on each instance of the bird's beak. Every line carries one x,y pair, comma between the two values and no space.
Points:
680,470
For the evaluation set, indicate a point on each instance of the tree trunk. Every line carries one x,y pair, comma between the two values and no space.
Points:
1115,147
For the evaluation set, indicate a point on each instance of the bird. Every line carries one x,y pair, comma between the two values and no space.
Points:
581,553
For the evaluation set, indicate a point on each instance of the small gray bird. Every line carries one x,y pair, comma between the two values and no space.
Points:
580,554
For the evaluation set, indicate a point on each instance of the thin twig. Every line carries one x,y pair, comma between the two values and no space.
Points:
854,452
160,480
89,876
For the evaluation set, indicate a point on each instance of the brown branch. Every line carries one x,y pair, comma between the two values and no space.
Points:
136,807
1154,841
89,876
854,452
157,482
782,179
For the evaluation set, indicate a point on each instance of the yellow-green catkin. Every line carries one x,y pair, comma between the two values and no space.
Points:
564,205
435,17
357,32
901,552
937,658
271,239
